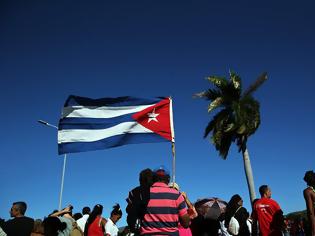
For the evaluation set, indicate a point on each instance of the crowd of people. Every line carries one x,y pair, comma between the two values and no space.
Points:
158,207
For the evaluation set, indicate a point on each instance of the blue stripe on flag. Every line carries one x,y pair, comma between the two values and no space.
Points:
111,142
120,101
92,123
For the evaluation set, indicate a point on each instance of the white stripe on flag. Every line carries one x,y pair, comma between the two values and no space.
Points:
84,135
100,112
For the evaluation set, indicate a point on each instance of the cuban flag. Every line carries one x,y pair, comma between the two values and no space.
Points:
93,124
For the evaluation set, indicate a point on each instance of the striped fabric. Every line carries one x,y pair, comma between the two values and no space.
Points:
163,210
93,124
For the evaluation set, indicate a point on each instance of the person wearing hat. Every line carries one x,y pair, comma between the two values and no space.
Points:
165,209
309,196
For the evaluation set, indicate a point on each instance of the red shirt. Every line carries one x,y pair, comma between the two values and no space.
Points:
96,228
269,214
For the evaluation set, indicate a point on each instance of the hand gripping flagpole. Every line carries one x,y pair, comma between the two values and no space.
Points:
173,139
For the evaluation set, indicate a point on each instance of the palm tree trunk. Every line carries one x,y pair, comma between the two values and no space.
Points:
249,175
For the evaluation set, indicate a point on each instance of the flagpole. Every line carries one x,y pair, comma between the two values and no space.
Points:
64,165
173,140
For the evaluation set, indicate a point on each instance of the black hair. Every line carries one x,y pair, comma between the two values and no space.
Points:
97,210
77,216
263,189
116,210
231,208
146,177
309,178
52,225
161,178
86,210
21,207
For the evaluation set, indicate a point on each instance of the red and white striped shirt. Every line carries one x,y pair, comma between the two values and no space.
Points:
163,210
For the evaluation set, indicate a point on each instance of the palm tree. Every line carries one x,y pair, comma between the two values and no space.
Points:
238,118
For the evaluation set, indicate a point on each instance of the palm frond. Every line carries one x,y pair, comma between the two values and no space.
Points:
236,81
216,122
200,94
219,82
229,127
222,143
250,114
259,81
209,128
210,94
225,146
215,104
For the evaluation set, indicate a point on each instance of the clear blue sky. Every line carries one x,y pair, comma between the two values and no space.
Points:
51,49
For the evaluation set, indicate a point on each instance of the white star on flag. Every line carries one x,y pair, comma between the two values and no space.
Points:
152,116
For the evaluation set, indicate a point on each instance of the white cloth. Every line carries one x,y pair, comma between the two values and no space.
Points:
2,233
223,230
111,228
68,221
82,221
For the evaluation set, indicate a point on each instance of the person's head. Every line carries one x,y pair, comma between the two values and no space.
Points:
67,211
116,213
86,210
18,209
161,174
52,225
38,227
236,201
97,211
265,191
77,216
309,178
146,177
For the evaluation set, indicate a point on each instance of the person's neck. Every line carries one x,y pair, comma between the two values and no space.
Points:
112,220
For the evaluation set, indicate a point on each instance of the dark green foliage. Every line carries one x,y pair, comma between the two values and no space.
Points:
239,116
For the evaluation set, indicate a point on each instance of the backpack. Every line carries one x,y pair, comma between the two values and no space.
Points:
234,226
76,230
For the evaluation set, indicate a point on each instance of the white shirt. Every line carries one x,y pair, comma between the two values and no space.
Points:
111,228
82,221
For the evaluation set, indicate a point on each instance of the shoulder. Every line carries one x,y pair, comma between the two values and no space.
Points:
243,210
109,224
308,191
134,192
274,204
256,204
29,219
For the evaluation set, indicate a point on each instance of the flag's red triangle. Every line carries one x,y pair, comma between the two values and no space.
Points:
156,118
